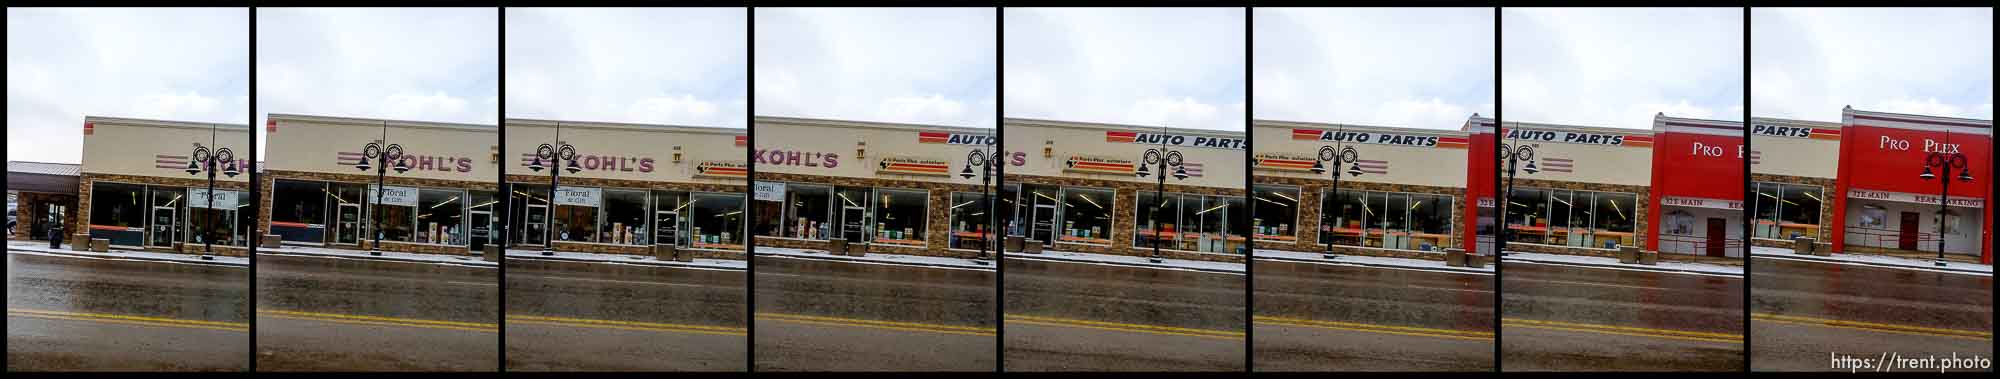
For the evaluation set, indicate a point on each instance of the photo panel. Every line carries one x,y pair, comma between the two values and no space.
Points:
1871,225
1621,160
128,240
876,170
1372,189
1124,204
381,177
625,192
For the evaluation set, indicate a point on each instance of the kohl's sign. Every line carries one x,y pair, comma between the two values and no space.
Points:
778,157
1566,137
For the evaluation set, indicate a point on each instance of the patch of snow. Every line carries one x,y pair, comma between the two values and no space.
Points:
1127,260
1370,261
699,263
1875,260
42,248
1693,268
463,260
879,258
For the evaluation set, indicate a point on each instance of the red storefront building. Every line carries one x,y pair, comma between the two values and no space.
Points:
1885,202
1697,190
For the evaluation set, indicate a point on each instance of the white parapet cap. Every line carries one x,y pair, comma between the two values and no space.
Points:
274,117
1011,121
566,124
1361,128
1850,116
1667,124
1476,124
830,123
164,123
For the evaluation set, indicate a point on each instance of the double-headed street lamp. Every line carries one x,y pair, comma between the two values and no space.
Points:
1343,155
1945,162
1164,158
383,154
1513,155
989,164
555,154
206,161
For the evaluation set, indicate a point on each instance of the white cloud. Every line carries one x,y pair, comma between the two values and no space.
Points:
1179,67
923,66
1619,67
1808,63
171,64
679,66
1408,67
425,64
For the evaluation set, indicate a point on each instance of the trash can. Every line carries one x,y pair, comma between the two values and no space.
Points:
1649,258
1628,254
1802,245
55,236
1454,257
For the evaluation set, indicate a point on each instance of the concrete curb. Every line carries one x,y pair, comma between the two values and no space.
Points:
1816,258
639,262
474,264
1049,257
1439,267
94,255
1618,266
830,257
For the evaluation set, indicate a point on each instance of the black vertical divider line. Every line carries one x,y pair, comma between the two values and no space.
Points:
1499,211
256,167
1249,144
1748,212
500,350
750,162
999,183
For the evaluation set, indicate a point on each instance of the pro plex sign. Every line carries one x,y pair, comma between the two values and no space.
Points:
1890,159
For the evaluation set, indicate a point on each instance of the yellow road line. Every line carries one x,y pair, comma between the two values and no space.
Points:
130,320
1873,327
626,325
1123,327
878,324
379,320
1389,329
1624,330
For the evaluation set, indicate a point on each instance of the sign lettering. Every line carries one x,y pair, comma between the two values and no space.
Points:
777,157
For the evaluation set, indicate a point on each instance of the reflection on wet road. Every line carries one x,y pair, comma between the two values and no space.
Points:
572,316
1317,317
1572,318
822,315
1803,312
67,313
330,314
1065,316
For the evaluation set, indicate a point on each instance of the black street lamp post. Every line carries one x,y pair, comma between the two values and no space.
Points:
554,153
204,160
988,164
1513,155
1945,162
1343,155
382,153
1164,158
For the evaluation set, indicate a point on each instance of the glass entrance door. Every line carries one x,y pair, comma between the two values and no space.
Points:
853,224
667,228
1043,224
347,224
537,225
166,225
482,228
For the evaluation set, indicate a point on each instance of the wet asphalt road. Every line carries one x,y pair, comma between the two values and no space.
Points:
1568,318
1064,316
330,314
66,314
1807,311
1316,317
571,316
820,315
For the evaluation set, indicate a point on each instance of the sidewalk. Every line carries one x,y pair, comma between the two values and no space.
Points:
42,248
1126,260
1873,260
1612,263
701,263
1363,260
462,260
878,258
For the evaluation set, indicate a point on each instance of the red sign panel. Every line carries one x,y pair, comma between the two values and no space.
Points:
1693,165
1891,159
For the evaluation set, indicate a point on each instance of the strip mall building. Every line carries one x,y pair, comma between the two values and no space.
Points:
1874,192
437,199
1078,187
1676,188
895,188
1409,198
136,191
629,187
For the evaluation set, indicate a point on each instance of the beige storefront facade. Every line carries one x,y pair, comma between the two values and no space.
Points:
893,188
1790,189
136,188
1588,191
1404,194
627,188
1076,186
438,198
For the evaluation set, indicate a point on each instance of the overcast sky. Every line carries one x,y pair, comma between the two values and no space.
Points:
1807,63
922,66
169,64
1178,67
1617,67
1405,67
679,66
422,64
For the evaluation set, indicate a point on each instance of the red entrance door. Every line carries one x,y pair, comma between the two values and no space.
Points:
1906,239
1718,235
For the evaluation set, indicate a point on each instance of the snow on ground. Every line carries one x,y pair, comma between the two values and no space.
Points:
1127,260
466,260
42,248
1363,260
1874,260
708,263
879,258
1608,262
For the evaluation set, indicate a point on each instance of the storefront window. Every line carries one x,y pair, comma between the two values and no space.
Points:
223,228
529,206
1156,214
118,205
440,216
1430,222
1086,215
1784,211
1274,213
298,210
669,225
393,221
1527,210
167,213
1602,220
969,221
1342,216
807,211
716,221
575,219
1615,220
900,216
1217,223
624,217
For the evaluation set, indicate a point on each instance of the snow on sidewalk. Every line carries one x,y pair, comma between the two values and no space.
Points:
899,259
1364,260
42,248
1607,262
1127,260
1874,260
463,260
707,263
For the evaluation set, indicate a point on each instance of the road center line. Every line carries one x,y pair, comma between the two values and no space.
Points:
1623,330
1373,328
1123,327
877,324
626,325
130,320
1873,327
380,320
